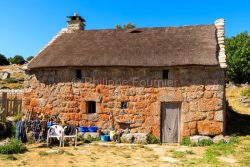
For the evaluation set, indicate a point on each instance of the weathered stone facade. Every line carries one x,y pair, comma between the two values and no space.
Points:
199,90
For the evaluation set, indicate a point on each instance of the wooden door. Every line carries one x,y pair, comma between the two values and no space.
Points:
169,122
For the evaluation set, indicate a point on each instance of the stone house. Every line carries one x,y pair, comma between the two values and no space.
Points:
168,81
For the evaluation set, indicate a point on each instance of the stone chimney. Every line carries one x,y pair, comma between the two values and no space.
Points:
219,24
75,23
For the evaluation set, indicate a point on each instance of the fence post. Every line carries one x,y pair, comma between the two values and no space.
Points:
4,106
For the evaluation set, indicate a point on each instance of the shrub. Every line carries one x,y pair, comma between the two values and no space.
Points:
29,58
151,139
3,60
17,60
14,147
186,141
205,142
13,130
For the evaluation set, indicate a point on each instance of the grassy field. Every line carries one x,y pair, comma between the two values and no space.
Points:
102,154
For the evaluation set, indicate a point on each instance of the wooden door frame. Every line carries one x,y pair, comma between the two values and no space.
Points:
179,120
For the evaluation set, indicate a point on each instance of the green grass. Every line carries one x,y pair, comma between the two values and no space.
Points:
69,154
89,139
178,154
151,139
245,161
210,156
205,142
186,141
13,147
11,158
189,152
43,153
127,156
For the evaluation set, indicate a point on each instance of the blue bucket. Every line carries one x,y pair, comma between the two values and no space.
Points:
105,138
92,129
83,129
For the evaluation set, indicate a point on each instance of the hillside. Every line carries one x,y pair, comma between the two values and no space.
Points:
16,77
234,96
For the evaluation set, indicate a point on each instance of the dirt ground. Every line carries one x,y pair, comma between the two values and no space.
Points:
100,154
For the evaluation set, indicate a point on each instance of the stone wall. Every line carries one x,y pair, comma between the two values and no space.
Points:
199,90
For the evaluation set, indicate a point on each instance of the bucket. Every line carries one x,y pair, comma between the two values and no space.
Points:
105,138
92,129
83,129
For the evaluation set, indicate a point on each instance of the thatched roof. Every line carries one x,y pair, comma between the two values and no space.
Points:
142,47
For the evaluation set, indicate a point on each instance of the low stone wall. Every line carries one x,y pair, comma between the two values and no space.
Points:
200,91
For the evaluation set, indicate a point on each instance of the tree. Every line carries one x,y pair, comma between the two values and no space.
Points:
129,26
17,59
125,26
118,27
29,58
3,60
238,58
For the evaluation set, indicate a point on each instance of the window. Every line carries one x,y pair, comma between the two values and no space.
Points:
79,74
91,107
165,74
124,105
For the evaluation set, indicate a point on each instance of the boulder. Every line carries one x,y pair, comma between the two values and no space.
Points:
94,135
138,138
127,138
218,138
197,138
6,141
4,75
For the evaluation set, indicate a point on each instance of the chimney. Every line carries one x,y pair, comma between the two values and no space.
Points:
219,24
75,23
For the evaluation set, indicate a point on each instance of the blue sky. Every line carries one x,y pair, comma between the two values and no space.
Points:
27,25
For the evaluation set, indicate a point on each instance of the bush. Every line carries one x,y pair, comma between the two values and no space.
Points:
17,60
3,60
29,58
151,139
125,26
186,141
14,147
205,142
238,58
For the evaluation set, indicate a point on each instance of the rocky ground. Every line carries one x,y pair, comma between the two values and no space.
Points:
11,77
236,101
